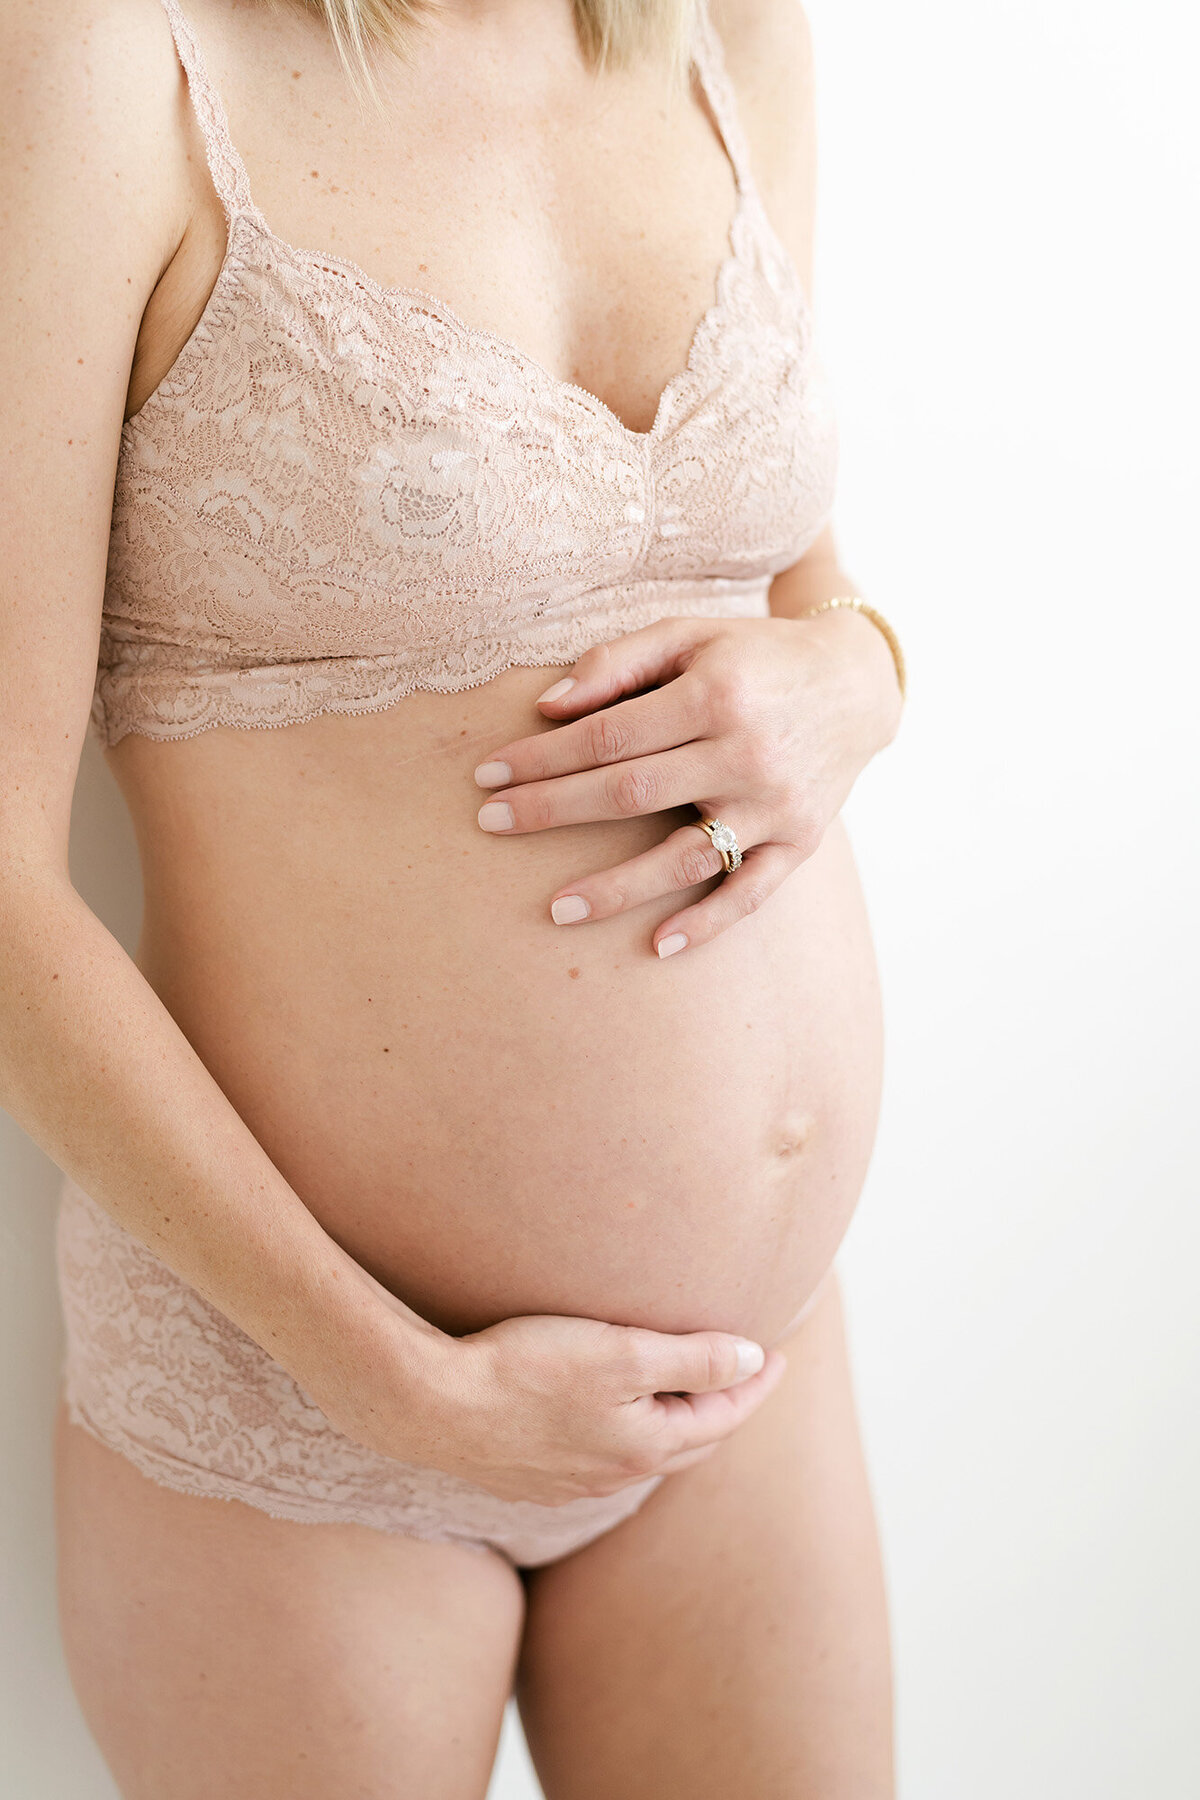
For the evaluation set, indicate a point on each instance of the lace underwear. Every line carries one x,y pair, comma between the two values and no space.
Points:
342,492
157,1374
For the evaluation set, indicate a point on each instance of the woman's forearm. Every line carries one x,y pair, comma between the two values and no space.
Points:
97,1072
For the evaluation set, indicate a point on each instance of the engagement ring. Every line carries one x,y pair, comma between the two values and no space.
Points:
724,841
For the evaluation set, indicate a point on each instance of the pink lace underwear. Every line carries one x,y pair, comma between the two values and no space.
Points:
156,1373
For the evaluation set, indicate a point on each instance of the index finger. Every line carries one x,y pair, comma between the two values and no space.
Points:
660,720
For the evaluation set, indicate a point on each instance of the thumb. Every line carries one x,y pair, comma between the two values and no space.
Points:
694,1362
640,659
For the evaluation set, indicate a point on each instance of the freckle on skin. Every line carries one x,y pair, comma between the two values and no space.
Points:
574,974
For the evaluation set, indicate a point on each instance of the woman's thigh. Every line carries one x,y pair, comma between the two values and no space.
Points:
731,1637
220,1654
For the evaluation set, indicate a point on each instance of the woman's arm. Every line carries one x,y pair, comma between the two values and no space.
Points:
92,1066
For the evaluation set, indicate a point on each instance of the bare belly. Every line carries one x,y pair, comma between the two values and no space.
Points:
494,1114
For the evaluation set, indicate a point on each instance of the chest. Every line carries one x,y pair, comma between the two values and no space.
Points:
321,432
581,216
346,457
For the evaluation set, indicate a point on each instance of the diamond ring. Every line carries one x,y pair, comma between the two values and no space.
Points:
724,841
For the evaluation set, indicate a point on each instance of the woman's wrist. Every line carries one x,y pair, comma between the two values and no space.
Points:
866,661
377,1369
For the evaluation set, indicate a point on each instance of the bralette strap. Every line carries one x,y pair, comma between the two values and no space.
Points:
708,57
225,165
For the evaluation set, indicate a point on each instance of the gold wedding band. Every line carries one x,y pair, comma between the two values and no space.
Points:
724,841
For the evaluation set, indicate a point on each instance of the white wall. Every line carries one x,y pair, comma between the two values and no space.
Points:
1009,290
1008,294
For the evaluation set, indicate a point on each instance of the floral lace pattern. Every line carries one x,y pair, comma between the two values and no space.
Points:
158,1374
342,493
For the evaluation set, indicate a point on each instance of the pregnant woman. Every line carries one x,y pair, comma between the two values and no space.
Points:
417,477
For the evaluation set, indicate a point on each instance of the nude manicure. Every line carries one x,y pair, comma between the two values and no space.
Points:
493,774
569,909
497,815
669,945
750,1358
557,691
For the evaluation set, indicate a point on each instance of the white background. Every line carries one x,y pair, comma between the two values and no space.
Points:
1008,295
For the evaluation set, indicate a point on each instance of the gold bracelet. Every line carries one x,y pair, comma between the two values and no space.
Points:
877,619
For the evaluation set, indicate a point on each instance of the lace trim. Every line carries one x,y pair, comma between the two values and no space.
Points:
160,701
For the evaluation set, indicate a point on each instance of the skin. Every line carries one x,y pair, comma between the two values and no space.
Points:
334,936
729,1638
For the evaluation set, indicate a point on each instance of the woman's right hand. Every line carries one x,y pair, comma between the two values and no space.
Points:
548,1407
545,1407
559,1407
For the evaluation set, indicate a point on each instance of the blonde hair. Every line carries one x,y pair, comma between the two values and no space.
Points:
612,33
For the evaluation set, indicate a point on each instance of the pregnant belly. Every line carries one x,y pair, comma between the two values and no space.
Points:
494,1114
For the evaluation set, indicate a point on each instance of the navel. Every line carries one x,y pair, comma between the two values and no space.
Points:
795,1134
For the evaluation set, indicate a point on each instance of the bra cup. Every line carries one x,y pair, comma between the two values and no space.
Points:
343,493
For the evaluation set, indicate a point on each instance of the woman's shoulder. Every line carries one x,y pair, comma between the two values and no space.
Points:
90,90
767,49
91,101
768,54
106,49
767,45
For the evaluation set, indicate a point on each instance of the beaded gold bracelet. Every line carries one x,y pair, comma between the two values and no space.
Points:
880,623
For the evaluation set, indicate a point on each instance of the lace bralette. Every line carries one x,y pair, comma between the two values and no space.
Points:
342,492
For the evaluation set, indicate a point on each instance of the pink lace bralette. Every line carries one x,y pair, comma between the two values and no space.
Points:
342,492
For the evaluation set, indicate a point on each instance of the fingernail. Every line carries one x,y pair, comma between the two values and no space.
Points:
496,816
669,945
493,774
569,910
557,691
750,1358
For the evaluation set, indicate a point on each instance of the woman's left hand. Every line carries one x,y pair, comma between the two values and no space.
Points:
764,724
